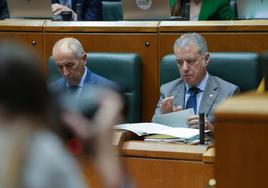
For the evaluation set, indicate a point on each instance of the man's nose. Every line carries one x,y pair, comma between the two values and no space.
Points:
65,71
184,66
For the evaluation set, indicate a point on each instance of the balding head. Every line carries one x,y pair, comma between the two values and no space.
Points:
68,46
70,59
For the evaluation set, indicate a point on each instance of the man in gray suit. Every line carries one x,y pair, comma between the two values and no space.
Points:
196,88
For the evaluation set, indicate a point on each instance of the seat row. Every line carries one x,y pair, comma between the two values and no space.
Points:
241,68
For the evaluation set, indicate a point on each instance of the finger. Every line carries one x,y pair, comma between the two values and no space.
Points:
177,108
58,12
194,126
193,122
194,117
56,7
166,105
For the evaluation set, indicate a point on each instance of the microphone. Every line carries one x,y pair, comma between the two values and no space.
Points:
186,12
202,128
79,11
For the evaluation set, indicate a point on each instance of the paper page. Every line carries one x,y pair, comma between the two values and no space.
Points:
143,128
155,128
174,119
185,133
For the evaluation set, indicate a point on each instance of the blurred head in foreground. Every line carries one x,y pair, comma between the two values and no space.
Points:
30,155
23,86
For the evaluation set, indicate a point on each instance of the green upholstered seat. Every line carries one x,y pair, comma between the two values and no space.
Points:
122,68
240,68
111,11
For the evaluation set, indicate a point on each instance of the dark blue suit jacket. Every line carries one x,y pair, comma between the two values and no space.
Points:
3,9
91,9
91,79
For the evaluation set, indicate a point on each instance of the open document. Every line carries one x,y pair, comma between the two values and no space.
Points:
174,119
161,131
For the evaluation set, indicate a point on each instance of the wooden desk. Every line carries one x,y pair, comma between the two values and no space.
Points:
161,165
241,142
27,32
167,165
137,37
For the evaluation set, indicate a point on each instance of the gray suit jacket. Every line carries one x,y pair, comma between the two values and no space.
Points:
215,92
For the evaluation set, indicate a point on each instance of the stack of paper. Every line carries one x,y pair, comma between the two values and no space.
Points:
161,132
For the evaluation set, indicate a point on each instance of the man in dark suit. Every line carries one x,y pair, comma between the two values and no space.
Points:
91,10
196,88
3,10
70,59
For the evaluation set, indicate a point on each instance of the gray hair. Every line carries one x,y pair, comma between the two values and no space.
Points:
69,45
188,38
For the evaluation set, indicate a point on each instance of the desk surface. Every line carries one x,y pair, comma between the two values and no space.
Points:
21,25
163,150
104,27
200,26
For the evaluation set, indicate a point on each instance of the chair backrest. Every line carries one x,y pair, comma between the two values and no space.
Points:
122,68
240,68
111,10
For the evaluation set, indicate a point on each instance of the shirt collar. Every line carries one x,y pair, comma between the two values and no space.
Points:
81,83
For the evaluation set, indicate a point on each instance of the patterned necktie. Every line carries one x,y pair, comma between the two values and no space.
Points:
191,101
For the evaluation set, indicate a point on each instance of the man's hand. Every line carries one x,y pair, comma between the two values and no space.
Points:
193,122
167,106
58,8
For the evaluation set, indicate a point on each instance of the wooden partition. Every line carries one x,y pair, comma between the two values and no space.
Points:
27,32
171,165
241,142
161,165
136,37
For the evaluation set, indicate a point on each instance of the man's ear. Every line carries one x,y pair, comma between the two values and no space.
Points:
84,58
206,59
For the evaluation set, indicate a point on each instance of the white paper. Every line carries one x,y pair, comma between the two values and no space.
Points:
174,119
142,128
155,128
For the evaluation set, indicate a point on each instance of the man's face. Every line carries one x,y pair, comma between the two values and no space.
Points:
70,66
191,64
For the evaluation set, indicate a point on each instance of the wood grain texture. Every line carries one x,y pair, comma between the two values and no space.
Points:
163,150
241,142
159,173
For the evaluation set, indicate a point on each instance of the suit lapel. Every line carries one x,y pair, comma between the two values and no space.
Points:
179,95
89,78
209,95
